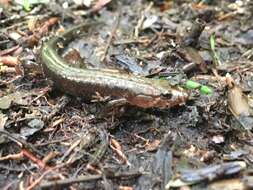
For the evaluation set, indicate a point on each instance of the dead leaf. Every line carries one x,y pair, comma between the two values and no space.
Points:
125,188
86,3
227,184
189,177
237,102
100,4
34,126
5,102
149,21
16,97
3,119
9,61
9,51
74,59
218,139
153,145
5,2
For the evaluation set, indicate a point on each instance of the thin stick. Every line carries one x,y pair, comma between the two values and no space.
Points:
112,35
86,178
22,143
141,20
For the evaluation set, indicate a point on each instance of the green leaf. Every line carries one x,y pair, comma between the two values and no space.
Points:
206,90
27,5
162,78
212,42
215,56
192,84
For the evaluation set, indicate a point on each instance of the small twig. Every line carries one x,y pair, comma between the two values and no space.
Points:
99,153
10,19
39,179
227,15
64,101
71,148
53,142
12,80
17,156
141,20
117,148
7,70
16,169
42,92
112,36
33,158
36,182
23,153
87,178
130,41
22,143
9,50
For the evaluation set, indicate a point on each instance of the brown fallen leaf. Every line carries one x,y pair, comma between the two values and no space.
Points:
5,2
238,102
9,61
125,188
192,55
227,184
186,187
74,58
199,5
40,31
99,5
153,145
11,50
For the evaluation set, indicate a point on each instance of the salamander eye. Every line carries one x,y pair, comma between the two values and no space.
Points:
167,95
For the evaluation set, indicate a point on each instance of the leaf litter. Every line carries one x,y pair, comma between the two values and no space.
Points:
50,140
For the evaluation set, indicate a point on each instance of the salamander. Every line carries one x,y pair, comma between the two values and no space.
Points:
136,90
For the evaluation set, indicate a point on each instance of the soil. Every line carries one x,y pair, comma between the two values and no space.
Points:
51,140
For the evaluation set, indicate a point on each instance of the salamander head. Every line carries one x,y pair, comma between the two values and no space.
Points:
170,98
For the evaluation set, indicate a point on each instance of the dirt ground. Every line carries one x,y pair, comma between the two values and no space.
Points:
52,140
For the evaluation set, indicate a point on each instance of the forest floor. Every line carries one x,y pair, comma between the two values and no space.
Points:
52,140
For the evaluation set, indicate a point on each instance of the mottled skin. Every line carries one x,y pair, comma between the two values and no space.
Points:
137,91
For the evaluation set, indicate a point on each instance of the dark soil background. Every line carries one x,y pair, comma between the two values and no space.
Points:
50,140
